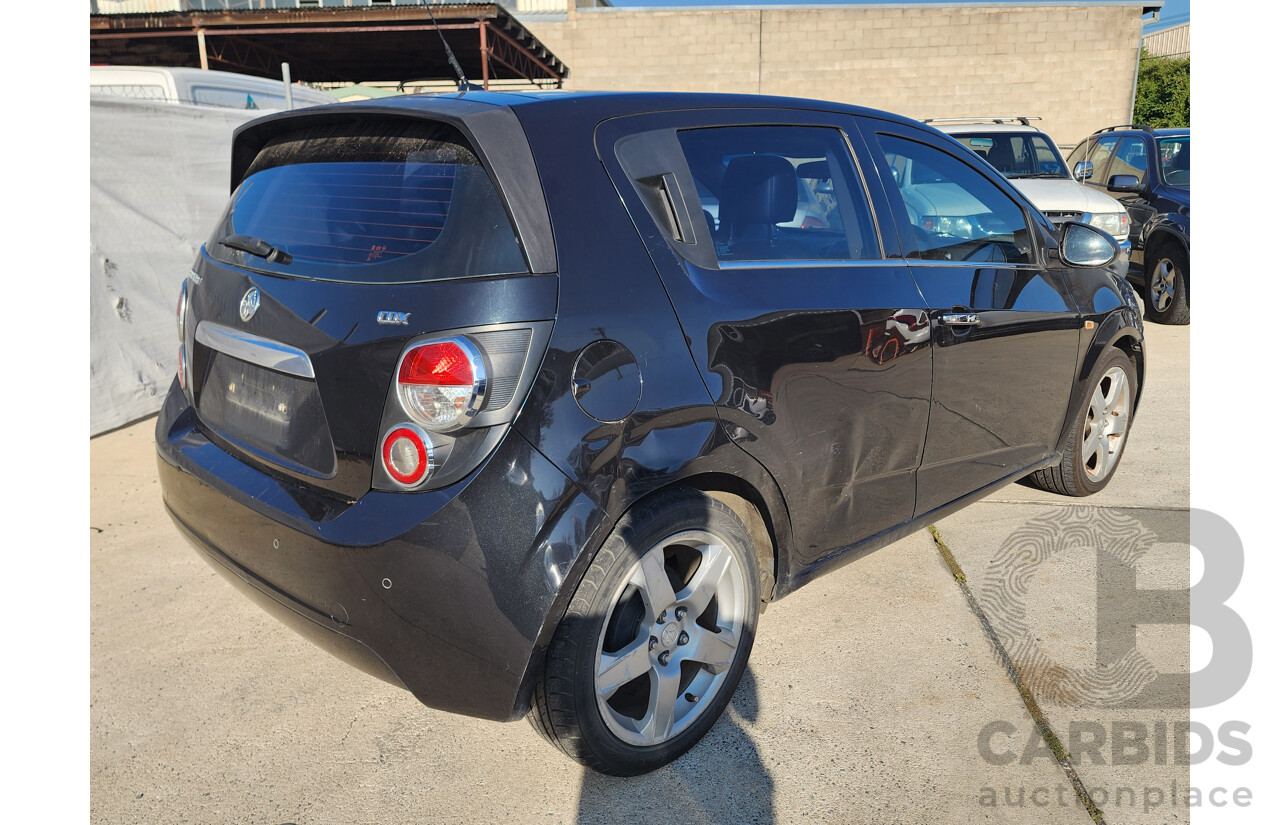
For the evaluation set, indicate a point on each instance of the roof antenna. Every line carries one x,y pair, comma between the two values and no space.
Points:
464,85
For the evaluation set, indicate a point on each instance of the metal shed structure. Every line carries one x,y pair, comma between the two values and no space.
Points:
344,45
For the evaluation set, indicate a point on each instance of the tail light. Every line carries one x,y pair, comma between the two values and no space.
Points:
408,455
813,222
441,384
452,398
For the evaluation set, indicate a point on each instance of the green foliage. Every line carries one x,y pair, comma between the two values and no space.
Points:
1163,97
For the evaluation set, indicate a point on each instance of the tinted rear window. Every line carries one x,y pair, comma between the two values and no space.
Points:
381,202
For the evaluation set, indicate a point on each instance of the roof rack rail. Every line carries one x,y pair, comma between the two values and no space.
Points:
1140,126
1025,120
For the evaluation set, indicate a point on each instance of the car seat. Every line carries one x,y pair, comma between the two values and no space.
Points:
759,192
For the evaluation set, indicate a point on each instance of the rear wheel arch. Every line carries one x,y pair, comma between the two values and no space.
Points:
768,527
749,506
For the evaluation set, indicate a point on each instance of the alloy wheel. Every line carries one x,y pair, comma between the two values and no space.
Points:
1163,284
672,632
1107,424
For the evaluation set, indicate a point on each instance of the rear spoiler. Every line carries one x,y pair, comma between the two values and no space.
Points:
494,132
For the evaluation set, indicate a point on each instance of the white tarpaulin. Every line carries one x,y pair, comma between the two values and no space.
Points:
158,178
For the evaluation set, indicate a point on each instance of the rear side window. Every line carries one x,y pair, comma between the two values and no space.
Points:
779,193
377,202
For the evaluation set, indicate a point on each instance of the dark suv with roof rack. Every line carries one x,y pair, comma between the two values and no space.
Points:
481,394
1149,171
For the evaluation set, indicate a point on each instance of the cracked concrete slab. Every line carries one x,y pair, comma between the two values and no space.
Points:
1093,606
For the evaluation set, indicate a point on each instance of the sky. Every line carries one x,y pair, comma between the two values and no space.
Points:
1175,12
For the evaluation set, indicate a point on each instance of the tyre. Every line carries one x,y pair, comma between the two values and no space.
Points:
1166,295
656,637
1101,428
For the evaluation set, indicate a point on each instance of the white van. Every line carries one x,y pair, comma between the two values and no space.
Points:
200,87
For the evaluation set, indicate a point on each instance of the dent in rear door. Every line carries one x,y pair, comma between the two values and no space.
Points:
812,342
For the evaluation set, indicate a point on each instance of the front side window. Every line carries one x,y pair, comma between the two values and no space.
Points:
1175,161
1131,159
1098,154
956,213
391,201
777,193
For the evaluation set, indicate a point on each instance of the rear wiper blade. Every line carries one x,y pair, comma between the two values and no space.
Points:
257,246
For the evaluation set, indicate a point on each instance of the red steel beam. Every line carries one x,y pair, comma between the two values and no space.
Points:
550,71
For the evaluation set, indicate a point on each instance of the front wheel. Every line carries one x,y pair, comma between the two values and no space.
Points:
1099,433
655,639
1166,293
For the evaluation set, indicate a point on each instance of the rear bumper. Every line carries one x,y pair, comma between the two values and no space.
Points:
450,594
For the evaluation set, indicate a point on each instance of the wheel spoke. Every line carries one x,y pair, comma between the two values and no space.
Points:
1112,396
1093,446
664,691
697,595
1098,404
655,587
715,650
616,669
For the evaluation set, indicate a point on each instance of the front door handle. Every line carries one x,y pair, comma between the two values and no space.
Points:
961,319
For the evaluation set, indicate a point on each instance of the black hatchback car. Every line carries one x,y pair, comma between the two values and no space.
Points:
529,403
1149,171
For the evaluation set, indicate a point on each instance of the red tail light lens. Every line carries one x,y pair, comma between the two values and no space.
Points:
443,363
441,384
407,455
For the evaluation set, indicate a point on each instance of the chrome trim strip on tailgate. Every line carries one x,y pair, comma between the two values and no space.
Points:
255,349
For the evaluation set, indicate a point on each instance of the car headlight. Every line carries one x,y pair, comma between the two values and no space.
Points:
1115,224
955,227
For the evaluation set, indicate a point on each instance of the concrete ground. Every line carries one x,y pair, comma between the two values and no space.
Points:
874,694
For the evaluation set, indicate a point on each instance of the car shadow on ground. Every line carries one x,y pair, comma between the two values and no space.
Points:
721,780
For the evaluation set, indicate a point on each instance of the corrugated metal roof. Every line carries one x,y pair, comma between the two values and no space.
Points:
1174,42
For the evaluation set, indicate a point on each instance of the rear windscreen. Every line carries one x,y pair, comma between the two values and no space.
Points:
375,201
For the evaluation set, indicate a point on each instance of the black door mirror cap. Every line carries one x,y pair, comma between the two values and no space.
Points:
1124,183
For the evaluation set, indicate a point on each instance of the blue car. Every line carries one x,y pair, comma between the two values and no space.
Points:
1149,171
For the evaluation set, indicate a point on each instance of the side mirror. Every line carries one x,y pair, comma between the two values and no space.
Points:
1124,183
1082,245
1083,170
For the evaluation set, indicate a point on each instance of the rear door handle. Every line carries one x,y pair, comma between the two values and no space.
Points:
961,319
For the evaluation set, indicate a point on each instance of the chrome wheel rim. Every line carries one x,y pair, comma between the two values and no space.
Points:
1106,424
670,635
1163,284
